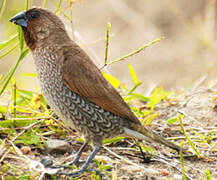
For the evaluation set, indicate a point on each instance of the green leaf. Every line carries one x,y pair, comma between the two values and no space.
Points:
7,123
150,118
208,175
10,178
21,39
140,97
5,43
4,82
25,93
9,50
27,5
113,81
3,109
5,168
133,74
134,88
105,167
44,3
147,148
158,95
186,136
184,177
137,97
113,140
172,120
27,177
28,138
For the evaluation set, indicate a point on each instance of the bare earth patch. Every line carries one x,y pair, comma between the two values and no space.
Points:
122,159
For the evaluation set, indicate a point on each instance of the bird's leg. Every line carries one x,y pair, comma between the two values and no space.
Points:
84,167
89,159
78,155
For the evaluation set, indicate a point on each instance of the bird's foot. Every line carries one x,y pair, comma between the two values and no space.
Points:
79,172
85,165
76,161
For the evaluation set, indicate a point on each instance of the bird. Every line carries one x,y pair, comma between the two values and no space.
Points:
75,88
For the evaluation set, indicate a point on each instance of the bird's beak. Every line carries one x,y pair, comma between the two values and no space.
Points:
20,19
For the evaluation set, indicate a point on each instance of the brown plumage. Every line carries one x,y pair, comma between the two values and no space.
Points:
75,87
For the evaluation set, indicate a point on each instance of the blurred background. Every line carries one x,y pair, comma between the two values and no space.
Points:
187,53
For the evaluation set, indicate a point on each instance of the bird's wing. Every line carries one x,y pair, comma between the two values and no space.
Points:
82,76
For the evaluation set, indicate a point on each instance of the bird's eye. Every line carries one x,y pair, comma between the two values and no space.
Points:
34,15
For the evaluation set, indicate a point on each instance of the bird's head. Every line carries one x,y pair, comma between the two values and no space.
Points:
38,24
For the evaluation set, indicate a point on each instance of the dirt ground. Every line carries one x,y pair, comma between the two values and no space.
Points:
199,109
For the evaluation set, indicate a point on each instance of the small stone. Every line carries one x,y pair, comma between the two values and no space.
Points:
164,172
46,161
57,146
25,149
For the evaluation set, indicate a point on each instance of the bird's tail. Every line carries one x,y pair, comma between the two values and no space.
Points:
140,132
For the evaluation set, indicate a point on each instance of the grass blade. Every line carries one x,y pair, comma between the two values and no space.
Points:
9,50
208,175
44,3
58,7
113,81
186,136
3,44
184,177
27,4
2,8
133,74
14,96
6,80
21,39
134,88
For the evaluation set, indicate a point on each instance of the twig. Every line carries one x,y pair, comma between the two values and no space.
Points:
29,109
198,82
107,43
186,115
188,139
171,165
151,89
4,155
34,165
28,119
137,50
25,128
130,162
